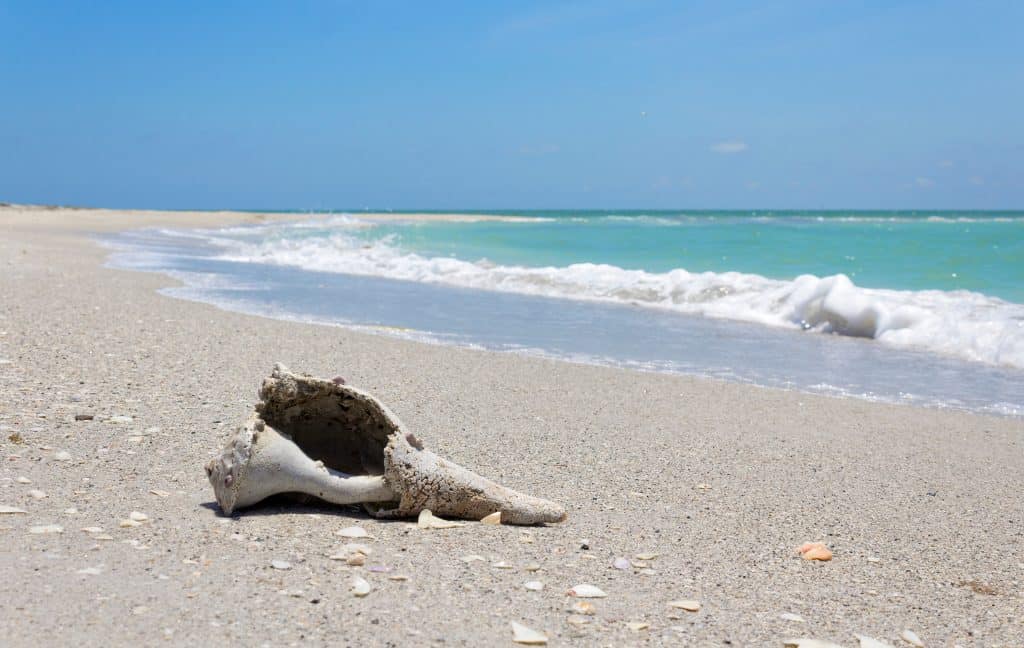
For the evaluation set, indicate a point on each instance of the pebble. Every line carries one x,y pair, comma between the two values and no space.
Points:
280,564
620,563
84,417
527,636
46,528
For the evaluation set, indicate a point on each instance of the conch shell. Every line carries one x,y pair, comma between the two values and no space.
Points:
340,444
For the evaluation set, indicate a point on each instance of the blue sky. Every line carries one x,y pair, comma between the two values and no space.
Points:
315,105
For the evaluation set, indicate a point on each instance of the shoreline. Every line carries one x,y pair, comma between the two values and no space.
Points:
722,480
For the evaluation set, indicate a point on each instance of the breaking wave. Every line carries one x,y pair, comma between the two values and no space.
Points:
960,323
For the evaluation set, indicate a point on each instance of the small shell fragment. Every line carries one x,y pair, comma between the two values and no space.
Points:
427,520
868,642
356,560
637,626
789,616
686,604
137,516
46,528
360,587
646,556
911,638
23,480
584,607
35,493
473,558
398,577
353,532
808,643
280,564
534,586
62,455
90,571
501,564
159,493
11,510
125,524
493,518
532,567
93,529
527,636
586,591
815,551
620,563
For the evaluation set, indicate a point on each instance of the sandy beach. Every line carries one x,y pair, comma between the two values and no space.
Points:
720,482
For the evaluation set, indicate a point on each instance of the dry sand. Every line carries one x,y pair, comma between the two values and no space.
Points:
934,496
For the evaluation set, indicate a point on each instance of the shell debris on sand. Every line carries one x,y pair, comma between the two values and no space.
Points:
527,636
62,455
789,616
280,564
620,563
911,638
585,590
360,587
637,626
493,518
534,586
35,493
809,643
689,605
427,520
353,532
868,642
11,510
46,528
584,607
815,551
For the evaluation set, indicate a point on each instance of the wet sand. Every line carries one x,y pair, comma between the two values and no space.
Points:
922,508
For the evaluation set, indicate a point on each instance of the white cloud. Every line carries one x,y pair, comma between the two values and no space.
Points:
729,147
923,182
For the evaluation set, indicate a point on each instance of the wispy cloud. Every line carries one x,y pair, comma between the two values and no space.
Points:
729,147
923,182
976,180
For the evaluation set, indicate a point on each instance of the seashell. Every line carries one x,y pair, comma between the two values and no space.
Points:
90,571
527,636
93,529
46,528
353,532
23,480
686,604
62,455
398,577
534,586
789,616
584,607
646,556
473,558
911,638
427,520
532,567
12,510
815,551
808,643
368,457
586,591
159,493
493,518
35,493
280,564
360,587
501,565
137,516
620,563
868,642
126,524
637,626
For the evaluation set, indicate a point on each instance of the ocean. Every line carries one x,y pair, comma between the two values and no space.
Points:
915,307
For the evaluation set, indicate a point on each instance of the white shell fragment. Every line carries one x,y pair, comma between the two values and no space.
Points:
868,642
584,607
911,638
46,528
493,518
637,626
620,563
360,587
23,480
35,493
687,604
428,520
93,529
534,586
62,455
473,558
527,636
136,516
809,643
159,493
789,616
119,419
353,532
90,571
586,591
11,510
280,564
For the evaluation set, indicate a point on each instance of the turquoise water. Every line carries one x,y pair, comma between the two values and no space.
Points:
977,251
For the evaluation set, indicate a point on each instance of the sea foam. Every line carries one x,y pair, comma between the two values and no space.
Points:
960,323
